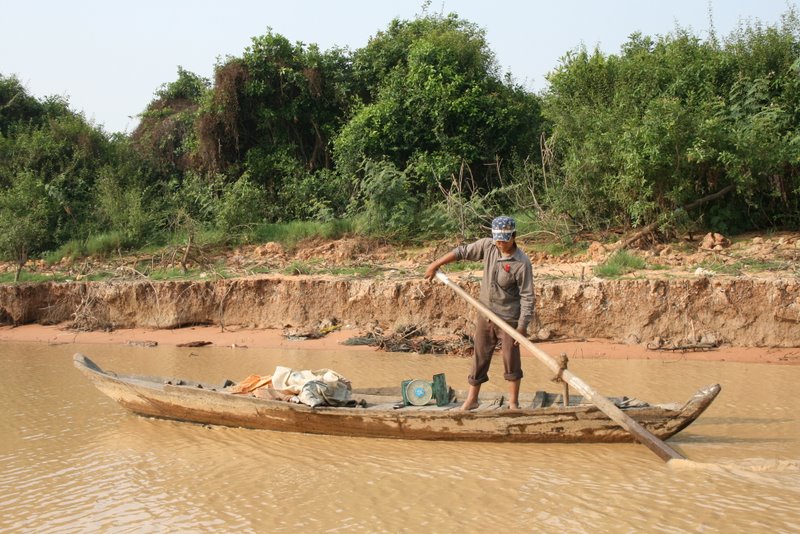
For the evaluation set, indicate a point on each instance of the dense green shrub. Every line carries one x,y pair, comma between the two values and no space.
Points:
322,196
24,209
241,205
386,206
431,99
672,120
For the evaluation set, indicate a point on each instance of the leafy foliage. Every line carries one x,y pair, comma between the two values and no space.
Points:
432,99
242,204
23,218
17,107
671,120
416,135
388,209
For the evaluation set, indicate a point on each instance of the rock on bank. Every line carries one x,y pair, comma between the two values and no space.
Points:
737,311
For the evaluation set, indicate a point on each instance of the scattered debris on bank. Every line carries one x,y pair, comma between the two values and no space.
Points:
411,338
194,344
683,345
319,331
144,343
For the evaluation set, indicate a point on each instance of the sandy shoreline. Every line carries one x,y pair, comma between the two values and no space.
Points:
273,338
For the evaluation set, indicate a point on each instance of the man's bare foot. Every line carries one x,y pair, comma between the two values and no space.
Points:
468,405
513,406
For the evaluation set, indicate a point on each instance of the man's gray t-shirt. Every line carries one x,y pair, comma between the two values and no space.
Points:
507,285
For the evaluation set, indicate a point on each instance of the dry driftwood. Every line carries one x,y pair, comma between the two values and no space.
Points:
625,243
194,344
411,338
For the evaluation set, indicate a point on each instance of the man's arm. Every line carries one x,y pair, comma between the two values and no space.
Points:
526,297
474,251
430,272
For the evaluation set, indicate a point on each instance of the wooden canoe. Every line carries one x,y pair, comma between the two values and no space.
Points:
541,417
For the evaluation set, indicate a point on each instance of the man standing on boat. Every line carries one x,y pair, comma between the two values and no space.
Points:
507,290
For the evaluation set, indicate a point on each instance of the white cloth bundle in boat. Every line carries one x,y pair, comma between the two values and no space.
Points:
314,388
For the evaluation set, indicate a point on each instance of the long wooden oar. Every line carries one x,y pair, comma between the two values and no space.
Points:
664,451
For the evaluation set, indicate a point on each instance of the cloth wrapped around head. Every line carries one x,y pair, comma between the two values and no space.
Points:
503,228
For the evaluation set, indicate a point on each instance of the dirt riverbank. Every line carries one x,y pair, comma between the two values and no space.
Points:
745,295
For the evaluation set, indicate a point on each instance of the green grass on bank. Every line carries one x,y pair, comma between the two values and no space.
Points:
105,256
110,244
739,266
291,233
29,277
459,266
618,264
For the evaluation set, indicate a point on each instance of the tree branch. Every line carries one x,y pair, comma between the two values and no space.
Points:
652,226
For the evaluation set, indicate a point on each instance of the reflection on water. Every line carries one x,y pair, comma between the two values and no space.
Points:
71,459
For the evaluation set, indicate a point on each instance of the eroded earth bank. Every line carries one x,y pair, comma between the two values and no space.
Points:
736,311
742,292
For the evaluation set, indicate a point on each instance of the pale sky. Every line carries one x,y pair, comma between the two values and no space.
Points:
109,57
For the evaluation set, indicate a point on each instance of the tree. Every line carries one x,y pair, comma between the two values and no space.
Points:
16,105
675,119
278,100
166,136
66,153
24,210
432,98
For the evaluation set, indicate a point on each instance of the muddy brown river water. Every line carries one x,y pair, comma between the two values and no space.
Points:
71,460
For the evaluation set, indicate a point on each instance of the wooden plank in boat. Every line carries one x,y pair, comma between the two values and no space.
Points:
538,399
423,408
490,405
378,399
557,400
446,407
381,407
390,406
